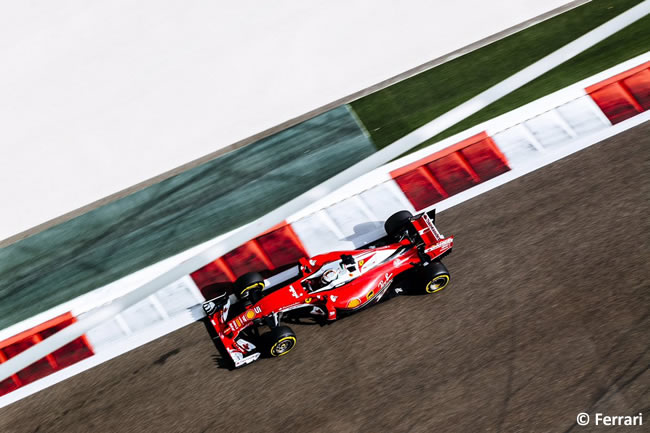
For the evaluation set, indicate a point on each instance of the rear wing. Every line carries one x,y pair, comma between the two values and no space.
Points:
429,240
432,215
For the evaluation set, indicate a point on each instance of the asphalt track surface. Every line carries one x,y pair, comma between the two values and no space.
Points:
546,317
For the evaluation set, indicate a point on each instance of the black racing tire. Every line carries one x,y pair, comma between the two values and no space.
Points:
397,224
249,284
279,341
435,277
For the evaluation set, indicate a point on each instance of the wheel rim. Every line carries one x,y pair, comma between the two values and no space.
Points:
438,283
283,346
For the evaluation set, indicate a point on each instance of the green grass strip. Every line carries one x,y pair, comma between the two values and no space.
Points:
395,111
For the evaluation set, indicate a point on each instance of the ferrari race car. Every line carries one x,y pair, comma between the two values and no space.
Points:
328,286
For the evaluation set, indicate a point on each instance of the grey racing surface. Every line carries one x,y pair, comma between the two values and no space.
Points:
546,317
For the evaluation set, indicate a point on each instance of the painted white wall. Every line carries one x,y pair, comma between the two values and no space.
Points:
97,96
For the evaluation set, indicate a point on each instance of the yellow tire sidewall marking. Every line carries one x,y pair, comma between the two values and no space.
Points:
430,290
280,341
252,286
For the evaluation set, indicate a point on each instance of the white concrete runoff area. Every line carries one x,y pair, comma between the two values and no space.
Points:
392,151
99,96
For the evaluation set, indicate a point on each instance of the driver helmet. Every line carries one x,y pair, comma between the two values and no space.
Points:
328,277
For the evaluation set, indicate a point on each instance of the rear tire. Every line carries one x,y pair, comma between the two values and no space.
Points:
280,341
397,224
249,285
435,277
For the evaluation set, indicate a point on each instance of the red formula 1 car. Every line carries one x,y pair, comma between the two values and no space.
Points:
328,286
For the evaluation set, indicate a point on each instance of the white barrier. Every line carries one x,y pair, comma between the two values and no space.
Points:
392,151
91,107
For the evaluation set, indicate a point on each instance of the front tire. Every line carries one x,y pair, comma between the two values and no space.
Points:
280,341
435,277
249,285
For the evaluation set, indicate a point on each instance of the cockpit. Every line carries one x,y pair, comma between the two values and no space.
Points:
332,274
